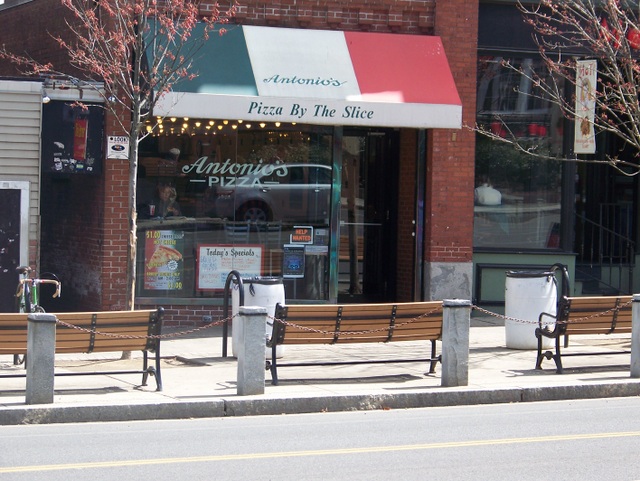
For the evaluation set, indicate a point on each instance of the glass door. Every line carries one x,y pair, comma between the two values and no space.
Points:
366,244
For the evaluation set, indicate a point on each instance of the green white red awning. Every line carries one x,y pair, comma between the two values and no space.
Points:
320,77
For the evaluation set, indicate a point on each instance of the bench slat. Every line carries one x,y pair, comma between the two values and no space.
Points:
357,323
111,315
130,331
357,317
594,315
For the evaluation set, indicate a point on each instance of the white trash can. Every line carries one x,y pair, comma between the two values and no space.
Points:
527,294
258,291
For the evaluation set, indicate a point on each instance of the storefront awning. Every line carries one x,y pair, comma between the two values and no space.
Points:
320,77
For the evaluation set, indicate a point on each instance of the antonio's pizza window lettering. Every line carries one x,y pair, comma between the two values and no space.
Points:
238,188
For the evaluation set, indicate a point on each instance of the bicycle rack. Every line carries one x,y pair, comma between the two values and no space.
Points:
225,306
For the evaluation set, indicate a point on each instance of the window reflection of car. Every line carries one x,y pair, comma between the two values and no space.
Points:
296,192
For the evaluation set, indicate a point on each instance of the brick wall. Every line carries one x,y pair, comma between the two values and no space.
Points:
373,15
450,154
450,169
41,16
116,242
187,316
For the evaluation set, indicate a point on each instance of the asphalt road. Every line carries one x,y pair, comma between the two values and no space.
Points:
568,440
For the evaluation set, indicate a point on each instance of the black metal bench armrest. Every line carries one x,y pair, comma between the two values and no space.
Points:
546,314
543,330
277,329
546,332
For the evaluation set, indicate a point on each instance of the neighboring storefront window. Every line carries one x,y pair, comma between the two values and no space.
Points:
217,195
517,195
72,138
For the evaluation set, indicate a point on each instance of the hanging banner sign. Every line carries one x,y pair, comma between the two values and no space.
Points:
80,128
586,78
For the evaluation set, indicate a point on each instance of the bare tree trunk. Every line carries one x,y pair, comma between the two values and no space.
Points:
133,223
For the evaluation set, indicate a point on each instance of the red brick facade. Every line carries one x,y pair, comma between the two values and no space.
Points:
450,169
374,16
102,254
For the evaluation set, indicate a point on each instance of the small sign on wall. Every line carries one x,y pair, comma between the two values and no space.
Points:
118,147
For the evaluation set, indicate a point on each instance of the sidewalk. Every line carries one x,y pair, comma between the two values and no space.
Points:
198,382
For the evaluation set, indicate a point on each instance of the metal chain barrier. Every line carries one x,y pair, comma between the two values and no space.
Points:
613,309
353,333
160,336
502,316
572,321
320,331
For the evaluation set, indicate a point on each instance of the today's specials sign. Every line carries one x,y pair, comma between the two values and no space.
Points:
216,261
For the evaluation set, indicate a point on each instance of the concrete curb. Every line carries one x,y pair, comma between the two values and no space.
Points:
256,406
582,391
105,413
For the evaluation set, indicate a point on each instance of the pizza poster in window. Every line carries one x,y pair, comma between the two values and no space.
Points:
163,255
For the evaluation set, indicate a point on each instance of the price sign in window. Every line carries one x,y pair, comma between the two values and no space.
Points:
292,261
163,266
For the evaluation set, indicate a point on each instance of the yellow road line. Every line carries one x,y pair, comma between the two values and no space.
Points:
319,452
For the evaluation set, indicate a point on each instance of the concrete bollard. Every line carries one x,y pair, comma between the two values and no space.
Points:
251,362
456,320
635,336
41,348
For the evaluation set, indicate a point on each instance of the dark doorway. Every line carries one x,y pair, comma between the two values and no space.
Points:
605,230
367,246
9,247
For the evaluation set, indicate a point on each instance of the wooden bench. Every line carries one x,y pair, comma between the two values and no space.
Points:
344,254
583,316
109,331
355,323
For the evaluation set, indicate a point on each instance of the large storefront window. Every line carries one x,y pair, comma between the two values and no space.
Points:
217,195
517,195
